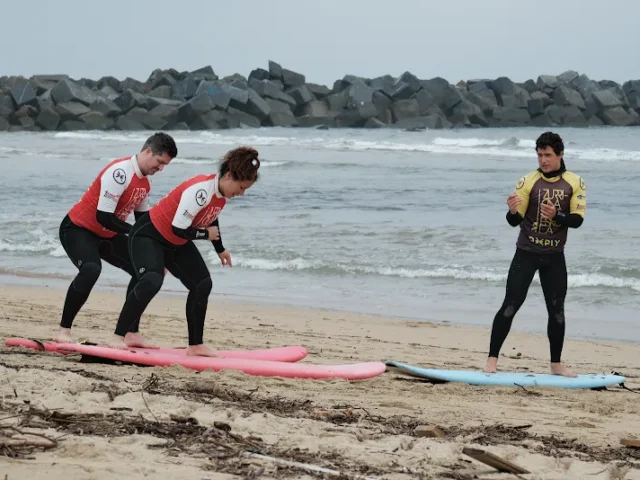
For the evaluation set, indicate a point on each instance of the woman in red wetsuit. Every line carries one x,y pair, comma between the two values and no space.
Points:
164,237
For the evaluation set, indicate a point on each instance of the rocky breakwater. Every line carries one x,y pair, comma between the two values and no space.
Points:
200,100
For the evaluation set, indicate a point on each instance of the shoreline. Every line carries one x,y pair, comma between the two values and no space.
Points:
243,303
59,282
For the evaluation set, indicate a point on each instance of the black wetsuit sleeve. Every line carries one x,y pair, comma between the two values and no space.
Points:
138,214
111,222
217,244
514,219
190,233
573,220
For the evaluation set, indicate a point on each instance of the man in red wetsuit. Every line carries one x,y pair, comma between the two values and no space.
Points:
95,228
163,238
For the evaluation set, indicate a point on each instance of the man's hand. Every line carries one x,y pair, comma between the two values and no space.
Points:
225,258
548,210
214,233
513,201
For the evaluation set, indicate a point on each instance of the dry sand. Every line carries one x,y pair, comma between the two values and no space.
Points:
115,421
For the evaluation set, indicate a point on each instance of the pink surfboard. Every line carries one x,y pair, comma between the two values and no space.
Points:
278,354
264,368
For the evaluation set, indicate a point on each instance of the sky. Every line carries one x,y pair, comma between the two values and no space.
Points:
324,39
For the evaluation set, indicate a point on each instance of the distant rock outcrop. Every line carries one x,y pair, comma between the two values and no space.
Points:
200,100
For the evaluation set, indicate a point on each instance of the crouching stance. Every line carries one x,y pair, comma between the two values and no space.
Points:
164,238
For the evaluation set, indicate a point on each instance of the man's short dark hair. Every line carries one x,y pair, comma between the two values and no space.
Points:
161,143
550,139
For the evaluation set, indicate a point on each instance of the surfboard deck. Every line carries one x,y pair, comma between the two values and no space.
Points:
265,368
291,353
508,379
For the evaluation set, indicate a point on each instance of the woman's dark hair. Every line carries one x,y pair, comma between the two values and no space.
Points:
550,139
243,164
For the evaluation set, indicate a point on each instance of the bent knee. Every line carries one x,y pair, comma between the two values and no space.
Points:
150,283
204,287
88,274
509,310
558,318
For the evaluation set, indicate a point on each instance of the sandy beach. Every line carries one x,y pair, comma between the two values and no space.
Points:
119,421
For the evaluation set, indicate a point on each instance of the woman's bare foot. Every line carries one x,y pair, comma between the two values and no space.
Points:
117,342
559,369
136,340
492,365
63,336
202,351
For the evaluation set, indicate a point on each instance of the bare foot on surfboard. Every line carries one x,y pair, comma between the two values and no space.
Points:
202,351
559,369
492,365
136,340
117,342
63,336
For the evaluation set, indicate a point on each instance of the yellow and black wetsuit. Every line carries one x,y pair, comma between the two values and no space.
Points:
540,247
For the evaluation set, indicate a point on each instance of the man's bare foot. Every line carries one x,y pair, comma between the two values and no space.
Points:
63,336
492,365
202,351
117,342
136,340
559,369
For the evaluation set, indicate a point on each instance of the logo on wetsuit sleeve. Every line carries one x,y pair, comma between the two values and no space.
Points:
520,184
111,196
119,176
201,197
582,185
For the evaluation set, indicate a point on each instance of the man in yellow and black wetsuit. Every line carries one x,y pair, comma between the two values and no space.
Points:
546,203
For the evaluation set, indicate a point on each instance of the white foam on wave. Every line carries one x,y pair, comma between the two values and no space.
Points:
439,272
603,280
504,147
213,161
522,147
574,280
191,161
451,272
204,138
45,244
270,265
11,151
41,243
484,142
102,135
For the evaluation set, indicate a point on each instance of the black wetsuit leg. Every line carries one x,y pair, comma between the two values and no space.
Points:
553,277
147,252
86,251
83,248
149,255
187,265
117,254
521,272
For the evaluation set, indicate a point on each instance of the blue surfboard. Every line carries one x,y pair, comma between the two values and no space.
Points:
507,379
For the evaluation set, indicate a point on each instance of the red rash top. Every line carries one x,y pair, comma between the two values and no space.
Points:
194,203
120,188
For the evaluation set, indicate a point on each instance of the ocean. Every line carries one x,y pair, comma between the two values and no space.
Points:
385,222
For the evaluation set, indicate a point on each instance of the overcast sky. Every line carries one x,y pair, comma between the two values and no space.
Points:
323,39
